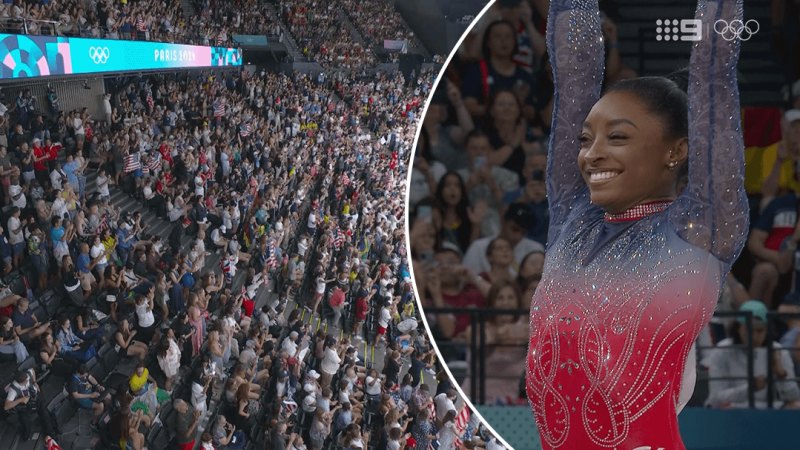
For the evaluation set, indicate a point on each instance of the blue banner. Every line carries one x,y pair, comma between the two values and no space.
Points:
24,56
253,40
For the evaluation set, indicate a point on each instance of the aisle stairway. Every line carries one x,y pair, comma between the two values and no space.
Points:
294,50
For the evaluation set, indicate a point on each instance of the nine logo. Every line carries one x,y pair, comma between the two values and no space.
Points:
692,29
99,55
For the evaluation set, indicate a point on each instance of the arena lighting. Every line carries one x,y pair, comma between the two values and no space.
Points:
40,56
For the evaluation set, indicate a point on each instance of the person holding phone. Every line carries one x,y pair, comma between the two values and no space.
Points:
634,265
486,182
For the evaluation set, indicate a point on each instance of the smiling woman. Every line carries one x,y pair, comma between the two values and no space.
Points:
633,266
632,143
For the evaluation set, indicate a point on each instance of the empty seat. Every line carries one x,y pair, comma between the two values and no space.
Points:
109,357
63,409
29,363
96,369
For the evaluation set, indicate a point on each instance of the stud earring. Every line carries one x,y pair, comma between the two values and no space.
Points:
672,165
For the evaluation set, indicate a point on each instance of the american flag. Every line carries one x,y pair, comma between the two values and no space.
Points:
228,269
245,130
219,108
272,259
155,161
462,425
339,239
132,162
140,25
345,180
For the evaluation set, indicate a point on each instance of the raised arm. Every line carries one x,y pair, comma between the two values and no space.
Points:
575,46
713,212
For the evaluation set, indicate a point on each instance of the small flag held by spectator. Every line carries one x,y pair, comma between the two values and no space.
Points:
132,162
339,239
245,130
463,428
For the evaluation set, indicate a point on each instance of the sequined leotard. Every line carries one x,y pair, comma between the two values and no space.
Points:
620,304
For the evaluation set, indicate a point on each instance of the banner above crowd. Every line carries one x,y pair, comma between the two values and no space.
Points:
39,56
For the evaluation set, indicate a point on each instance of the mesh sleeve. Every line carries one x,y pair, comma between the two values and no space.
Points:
712,212
575,46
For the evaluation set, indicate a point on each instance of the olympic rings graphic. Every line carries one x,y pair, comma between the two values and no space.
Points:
736,29
99,54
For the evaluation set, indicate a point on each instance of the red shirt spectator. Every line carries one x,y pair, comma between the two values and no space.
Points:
52,151
362,308
40,158
337,298
469,297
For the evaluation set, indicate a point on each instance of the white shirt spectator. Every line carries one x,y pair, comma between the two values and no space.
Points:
320,285
330,361
77,124
98,250
216,236
17,196
386,317
443,404
727,361
198,398
198,186
475,259
59,207
312,221
310,403
55,179
11,394
289,346
145,315
372,389
15,235
102,186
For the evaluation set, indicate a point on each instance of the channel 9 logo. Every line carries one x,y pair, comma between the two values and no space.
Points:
692,29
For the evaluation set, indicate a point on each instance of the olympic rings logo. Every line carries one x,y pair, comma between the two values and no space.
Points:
736,29
99,55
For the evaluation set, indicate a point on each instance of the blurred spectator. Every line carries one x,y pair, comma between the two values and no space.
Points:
505,361
516,221
443,142
496,71
11,347
486,183
728,361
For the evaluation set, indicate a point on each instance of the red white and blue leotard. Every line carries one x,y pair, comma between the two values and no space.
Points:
622,301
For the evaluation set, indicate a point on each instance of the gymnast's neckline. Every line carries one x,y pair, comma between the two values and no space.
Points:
638,212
